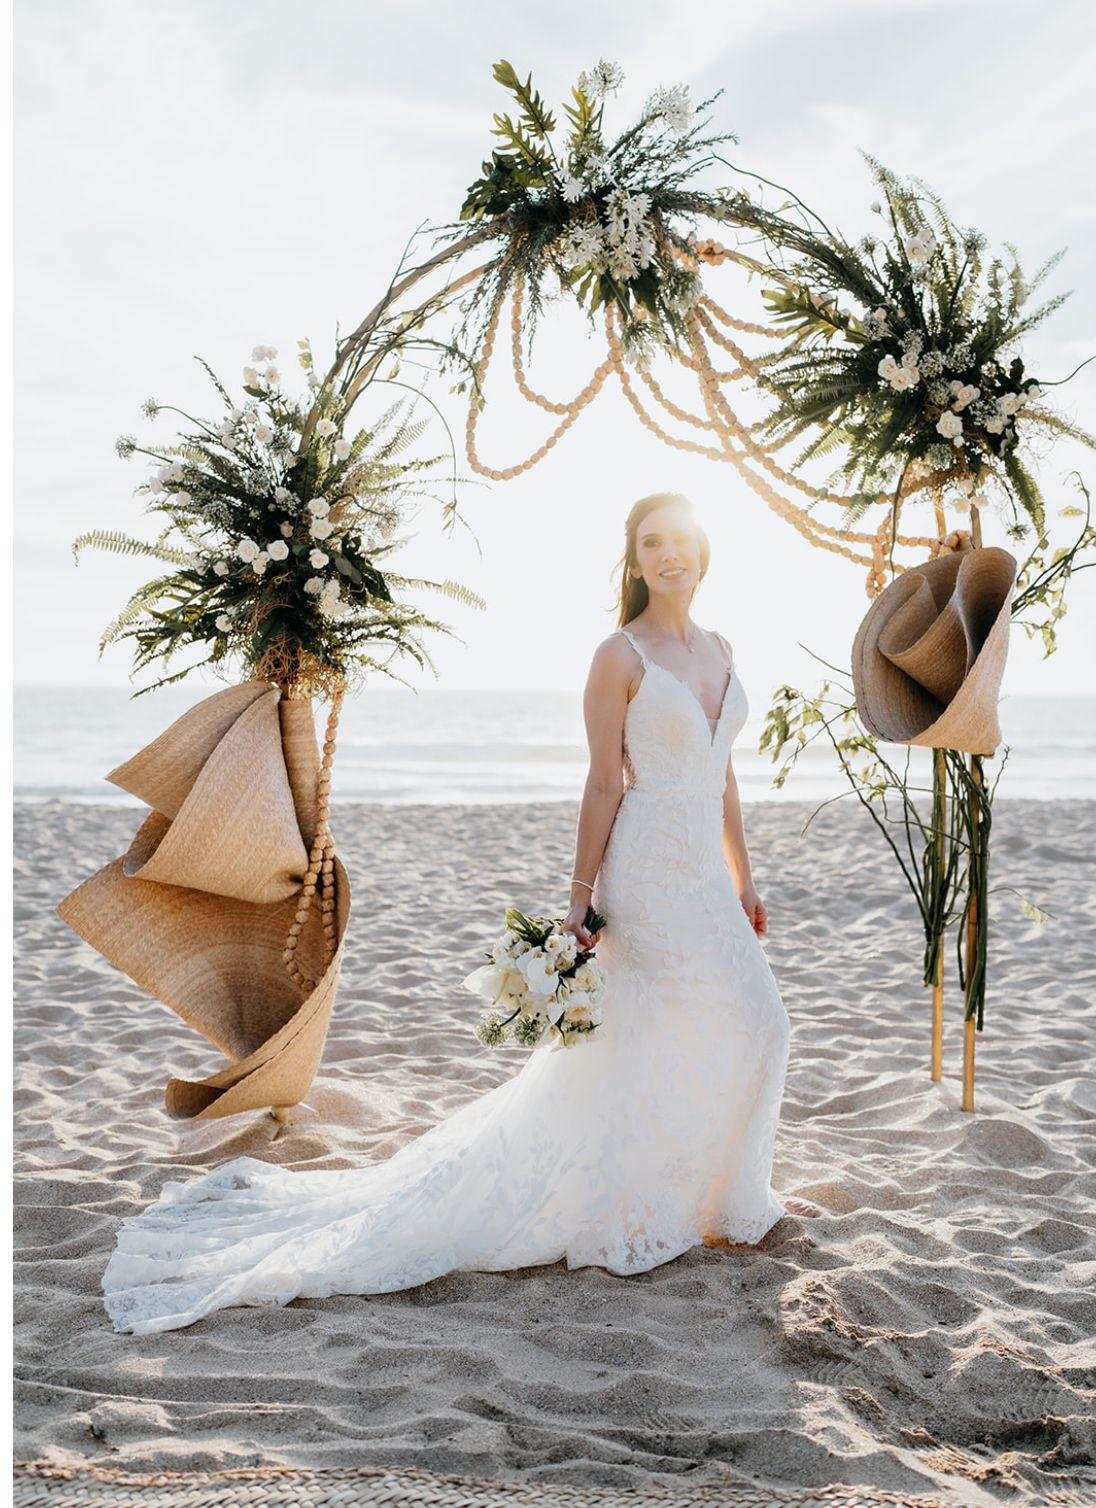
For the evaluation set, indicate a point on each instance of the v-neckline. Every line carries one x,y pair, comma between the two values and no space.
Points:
713,733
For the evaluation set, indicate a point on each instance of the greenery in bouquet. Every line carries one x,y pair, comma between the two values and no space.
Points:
596,213
547,981
279,522
904,357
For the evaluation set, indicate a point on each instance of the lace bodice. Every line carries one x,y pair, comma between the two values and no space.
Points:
669,740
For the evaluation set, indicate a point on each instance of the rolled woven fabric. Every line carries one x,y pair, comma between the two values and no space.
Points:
929,656
198,909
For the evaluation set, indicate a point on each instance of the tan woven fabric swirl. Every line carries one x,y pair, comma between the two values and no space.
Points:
197,910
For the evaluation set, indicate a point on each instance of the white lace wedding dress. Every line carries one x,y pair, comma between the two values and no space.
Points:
624,1150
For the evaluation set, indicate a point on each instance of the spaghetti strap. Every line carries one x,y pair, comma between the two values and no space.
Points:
729,651
634,645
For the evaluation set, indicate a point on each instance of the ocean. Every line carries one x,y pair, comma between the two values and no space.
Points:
446,746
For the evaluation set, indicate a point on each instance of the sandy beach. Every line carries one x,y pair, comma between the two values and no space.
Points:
932,1333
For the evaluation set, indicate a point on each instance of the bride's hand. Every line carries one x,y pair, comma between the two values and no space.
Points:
575,921
754,909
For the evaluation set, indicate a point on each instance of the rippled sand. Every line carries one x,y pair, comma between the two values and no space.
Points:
932,1332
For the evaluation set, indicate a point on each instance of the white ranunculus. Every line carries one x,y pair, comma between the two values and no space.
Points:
317,559
319,506
314,585
286,528
223,622
949,425
264,434
325,428
342,449
221,567
277,549
247,550
319,528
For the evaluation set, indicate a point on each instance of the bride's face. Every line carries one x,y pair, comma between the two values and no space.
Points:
668,552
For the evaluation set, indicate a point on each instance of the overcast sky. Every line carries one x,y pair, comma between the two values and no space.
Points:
197,177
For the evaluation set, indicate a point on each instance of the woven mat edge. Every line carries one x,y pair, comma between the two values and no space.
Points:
835,1492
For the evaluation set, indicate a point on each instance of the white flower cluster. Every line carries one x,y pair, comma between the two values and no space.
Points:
622,244
673,106
920,247
541,983
605,78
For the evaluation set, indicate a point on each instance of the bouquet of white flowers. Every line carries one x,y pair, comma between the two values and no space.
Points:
551,983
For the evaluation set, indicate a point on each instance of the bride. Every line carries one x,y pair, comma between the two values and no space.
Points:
652,1134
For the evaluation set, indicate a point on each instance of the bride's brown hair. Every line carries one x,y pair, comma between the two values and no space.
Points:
633,595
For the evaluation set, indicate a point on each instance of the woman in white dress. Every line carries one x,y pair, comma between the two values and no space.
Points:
652,1134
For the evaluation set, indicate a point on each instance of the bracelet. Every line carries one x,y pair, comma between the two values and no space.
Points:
576,881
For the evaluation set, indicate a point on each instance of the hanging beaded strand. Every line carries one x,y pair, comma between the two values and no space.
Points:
321,864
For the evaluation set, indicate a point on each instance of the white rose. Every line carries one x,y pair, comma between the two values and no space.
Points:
223,622
325,428
264,434
286,529
221,567
902,378
259,564
994,426
1008,403
155,484
319,528
264,353
317,559
949,425
910,359
342,449
271,374
887,367
247,550
1033,392
314,585
251,377
278,549
319,506
282,494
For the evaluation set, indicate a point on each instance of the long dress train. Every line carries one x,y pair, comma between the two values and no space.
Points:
643,1139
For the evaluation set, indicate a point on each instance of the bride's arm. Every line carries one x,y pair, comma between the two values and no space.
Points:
604,704
734,834
738,855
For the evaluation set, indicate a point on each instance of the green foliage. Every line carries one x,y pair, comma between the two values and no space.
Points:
924,295
233,487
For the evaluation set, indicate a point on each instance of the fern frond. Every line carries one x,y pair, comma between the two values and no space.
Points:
122,544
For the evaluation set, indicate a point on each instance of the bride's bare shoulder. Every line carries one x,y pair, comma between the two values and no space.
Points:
614,661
